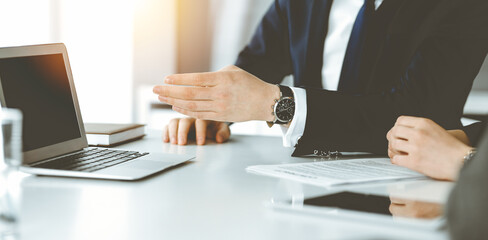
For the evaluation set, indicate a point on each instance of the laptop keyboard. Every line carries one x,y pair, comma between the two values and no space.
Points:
90,160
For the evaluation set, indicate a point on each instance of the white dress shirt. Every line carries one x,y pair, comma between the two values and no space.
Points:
341,22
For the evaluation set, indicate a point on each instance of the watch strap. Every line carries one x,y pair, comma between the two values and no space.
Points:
285,91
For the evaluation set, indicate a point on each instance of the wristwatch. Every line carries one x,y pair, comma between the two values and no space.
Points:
284,107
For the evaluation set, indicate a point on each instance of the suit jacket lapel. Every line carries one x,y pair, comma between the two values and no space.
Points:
405,29
384,17
317,30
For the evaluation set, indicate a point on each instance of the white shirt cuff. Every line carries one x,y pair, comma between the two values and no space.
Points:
296,128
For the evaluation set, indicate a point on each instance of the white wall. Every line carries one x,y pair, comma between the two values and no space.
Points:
99,38
234,23
24,22
154,49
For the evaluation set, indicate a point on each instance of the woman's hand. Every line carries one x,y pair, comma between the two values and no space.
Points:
422,145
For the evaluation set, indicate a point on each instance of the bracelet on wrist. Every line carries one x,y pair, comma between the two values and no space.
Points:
469,156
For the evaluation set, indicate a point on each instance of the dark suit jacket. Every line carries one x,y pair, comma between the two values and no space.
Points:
467,210
421,60
474,132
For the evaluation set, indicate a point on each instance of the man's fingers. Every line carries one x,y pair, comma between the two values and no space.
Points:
201,131
182,92
173,130
223,133
192,79
195,106
183,129
165,134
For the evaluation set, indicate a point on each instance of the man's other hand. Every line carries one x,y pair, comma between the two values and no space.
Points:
179,129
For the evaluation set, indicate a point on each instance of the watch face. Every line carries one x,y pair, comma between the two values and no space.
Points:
285,109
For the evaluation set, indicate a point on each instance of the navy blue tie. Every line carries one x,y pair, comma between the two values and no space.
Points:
350,81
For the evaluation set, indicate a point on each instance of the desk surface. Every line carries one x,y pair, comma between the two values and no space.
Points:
212,197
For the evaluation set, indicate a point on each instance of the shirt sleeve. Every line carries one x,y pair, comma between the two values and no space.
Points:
294,131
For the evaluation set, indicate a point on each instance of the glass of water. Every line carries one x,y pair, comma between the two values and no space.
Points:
10,160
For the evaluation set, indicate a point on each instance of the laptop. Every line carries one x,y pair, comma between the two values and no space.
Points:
37,80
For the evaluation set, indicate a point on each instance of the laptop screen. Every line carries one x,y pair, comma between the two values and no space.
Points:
40,88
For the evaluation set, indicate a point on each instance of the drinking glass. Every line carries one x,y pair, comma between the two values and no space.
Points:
10,160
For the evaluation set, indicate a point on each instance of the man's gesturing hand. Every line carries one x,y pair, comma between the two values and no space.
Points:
230,94
178,130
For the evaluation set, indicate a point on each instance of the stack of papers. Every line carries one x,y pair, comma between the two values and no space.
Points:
338,172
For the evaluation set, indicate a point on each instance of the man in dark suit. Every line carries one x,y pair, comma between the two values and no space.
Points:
404,57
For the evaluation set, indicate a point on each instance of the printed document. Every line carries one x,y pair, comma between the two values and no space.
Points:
338,172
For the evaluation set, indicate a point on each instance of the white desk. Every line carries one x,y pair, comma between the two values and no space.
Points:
211,198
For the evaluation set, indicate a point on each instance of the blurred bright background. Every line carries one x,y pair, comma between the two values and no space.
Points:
120,49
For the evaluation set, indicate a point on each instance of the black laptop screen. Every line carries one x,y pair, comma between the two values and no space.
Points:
39,87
